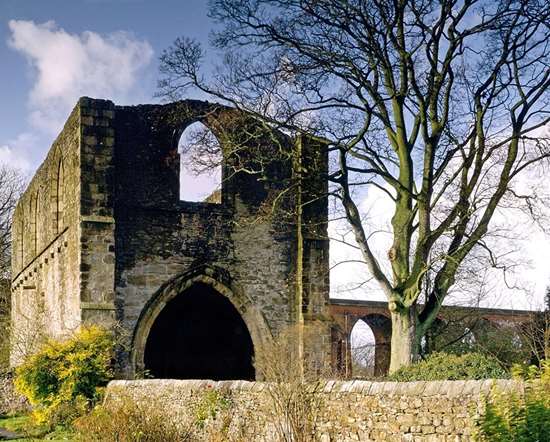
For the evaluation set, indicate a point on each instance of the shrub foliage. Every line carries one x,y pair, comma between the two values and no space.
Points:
66,377
447,366
124,419
127,421
514,418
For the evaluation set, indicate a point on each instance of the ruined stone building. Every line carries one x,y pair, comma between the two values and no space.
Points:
102,236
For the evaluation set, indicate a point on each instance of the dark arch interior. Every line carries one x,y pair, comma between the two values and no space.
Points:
199,335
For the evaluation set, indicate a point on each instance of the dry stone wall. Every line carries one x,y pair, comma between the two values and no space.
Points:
11,401
349,411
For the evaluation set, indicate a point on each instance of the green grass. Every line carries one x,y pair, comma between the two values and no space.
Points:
22,424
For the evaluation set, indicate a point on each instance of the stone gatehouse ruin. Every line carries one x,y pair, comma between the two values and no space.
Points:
101,236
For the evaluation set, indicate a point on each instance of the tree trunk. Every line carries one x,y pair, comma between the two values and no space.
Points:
405,340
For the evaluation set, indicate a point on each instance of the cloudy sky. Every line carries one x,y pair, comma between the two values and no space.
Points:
53,52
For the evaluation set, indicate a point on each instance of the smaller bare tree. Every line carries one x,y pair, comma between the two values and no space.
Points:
537,333
294,391
12,183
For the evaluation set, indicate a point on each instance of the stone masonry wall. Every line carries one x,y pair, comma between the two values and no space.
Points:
101,235
63,234
159,237
97,222
46,247
350,411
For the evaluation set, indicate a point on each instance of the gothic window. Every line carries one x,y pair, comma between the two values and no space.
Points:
200,171
33,219
60,196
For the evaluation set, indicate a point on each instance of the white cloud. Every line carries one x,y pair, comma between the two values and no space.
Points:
20,153
68,66
10,158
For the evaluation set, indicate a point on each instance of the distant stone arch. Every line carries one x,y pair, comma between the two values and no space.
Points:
363,348
381,329
343,326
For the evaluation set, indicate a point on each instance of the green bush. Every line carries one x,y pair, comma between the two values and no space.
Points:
64,379
447,366
458,335
213,404
514,418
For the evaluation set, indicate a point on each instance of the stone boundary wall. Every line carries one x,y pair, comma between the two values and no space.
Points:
351,410
10,401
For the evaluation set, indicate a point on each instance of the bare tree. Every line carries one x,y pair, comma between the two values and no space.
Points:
12,183
536,333
439,104
294,391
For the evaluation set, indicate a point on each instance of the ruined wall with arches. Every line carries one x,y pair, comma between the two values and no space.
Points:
115,243
45,246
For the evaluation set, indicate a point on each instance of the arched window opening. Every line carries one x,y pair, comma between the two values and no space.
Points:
60,193
200,170
21,242
37,243
199,335
363,348
33,209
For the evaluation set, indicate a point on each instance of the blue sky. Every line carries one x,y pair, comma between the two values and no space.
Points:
54,51
33,105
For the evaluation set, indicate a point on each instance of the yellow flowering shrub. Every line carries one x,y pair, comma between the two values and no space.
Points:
65,378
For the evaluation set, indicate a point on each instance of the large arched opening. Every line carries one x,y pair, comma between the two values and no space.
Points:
199,334
202,294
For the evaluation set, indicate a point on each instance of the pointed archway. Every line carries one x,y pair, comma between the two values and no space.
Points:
199,326
199,335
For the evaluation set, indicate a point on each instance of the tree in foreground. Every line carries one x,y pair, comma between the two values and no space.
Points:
441,105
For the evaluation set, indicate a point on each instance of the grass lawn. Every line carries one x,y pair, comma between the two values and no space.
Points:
23,425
